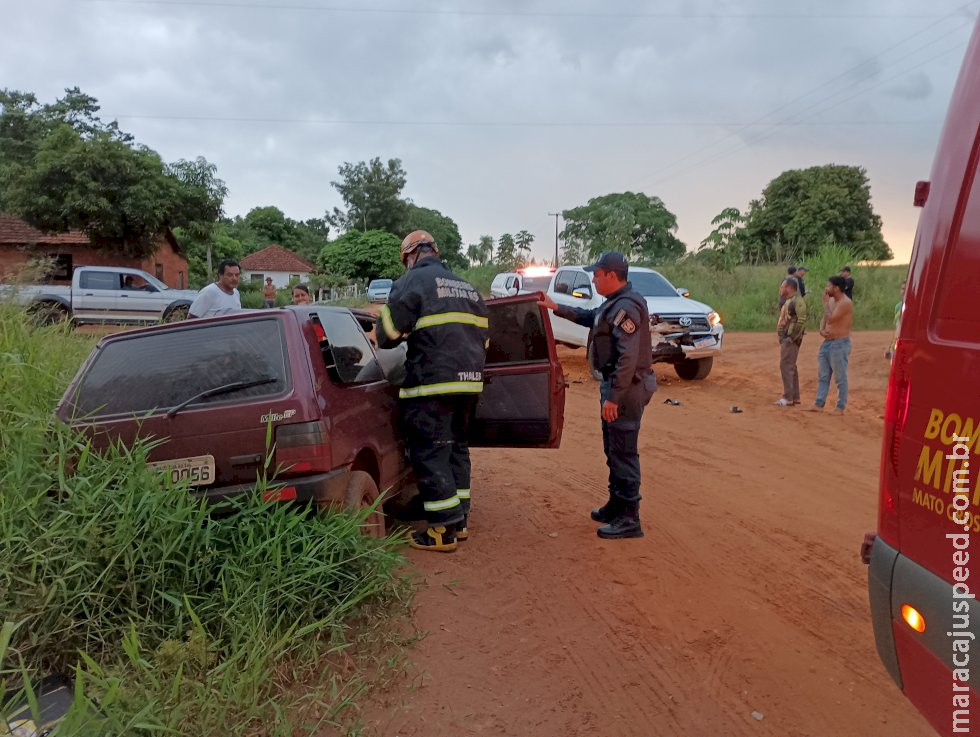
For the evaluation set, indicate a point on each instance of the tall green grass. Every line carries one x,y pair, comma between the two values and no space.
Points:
748,296
172,621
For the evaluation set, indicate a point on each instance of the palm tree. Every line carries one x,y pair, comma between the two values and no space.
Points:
486,249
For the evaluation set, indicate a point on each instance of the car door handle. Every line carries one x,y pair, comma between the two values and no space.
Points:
124,295
89,294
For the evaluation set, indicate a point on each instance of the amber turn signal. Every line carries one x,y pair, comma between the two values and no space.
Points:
913,619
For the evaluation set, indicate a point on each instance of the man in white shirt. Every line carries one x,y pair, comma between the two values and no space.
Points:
221,297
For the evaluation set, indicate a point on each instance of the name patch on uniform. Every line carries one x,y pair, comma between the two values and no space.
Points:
619,317
628,326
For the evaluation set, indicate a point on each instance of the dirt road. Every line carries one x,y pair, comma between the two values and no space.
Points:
746,595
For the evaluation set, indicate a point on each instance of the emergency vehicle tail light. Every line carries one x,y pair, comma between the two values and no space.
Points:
913,619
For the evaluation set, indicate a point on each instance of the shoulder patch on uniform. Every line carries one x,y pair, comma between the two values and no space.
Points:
628,326
619,317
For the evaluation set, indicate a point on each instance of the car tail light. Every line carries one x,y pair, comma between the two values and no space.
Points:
896,413
303,447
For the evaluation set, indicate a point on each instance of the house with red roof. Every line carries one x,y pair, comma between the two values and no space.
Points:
21,243
279,263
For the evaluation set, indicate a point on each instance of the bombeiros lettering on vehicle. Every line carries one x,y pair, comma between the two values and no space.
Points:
276,416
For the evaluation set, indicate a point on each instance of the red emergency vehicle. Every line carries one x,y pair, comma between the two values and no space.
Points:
925,559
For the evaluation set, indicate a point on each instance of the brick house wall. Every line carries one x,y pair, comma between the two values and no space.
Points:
20,243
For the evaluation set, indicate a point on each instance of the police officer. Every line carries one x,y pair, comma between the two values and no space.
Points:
620,354
444,321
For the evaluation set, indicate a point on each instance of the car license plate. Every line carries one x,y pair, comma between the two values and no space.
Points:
198,470
705,342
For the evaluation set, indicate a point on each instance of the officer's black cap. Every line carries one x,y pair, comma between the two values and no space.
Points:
611,261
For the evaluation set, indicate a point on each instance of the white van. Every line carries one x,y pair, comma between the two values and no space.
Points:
523,281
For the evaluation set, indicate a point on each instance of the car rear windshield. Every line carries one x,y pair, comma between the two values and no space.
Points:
378,283
158,371
537,283
651,284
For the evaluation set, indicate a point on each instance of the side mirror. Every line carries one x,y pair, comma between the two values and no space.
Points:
582,293
681,292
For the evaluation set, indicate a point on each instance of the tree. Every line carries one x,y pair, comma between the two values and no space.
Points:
804,210
368,255
442,228
372,195
523,241
473,254
506,251
486,249
635,224
62,168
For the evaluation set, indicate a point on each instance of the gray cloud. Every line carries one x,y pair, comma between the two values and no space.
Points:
547,108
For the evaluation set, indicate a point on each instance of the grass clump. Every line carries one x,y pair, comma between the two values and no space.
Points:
170,620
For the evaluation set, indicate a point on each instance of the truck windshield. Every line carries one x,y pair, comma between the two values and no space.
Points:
651,284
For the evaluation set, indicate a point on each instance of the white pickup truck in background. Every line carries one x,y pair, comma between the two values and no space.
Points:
685,333
104,294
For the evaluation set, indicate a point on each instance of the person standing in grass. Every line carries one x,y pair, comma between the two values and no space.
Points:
789,329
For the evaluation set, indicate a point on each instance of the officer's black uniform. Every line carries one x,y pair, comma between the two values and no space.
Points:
444,320
620,353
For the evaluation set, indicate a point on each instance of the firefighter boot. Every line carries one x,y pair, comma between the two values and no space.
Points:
462,532
441,538
626,524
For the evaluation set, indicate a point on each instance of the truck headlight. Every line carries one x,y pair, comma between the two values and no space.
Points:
714,319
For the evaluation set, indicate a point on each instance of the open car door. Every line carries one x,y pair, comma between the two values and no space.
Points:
523,399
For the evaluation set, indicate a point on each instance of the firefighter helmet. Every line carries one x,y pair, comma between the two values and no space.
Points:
414,240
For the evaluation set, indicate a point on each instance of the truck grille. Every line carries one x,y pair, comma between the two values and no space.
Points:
699,323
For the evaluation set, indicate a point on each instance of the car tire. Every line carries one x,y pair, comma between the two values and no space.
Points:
362,494
694,369
177,313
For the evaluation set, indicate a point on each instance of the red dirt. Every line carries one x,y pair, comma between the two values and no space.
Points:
746,595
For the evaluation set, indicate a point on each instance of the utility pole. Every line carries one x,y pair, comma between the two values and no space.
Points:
556,215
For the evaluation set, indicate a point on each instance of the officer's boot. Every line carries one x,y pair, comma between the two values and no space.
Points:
626,524
607,512
462,529
441,538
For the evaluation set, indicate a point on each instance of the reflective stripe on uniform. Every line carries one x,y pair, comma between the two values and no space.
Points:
448,387
386,322
463,493
441,505
450,318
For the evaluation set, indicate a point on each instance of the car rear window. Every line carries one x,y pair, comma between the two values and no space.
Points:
537,283
157,371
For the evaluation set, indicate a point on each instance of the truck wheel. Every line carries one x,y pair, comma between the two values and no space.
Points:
50,314
694,369
362,493
177,314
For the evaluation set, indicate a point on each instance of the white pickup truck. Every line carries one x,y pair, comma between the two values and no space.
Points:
104,294
685,333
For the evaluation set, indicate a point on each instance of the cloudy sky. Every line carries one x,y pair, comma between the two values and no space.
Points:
503,111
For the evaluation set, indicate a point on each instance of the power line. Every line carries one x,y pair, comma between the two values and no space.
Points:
512,123
515,14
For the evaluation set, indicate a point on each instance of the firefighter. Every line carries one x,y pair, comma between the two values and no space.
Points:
620,354
444,321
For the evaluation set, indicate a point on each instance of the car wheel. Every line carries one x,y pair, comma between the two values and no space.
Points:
177,314
362,494
694,369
